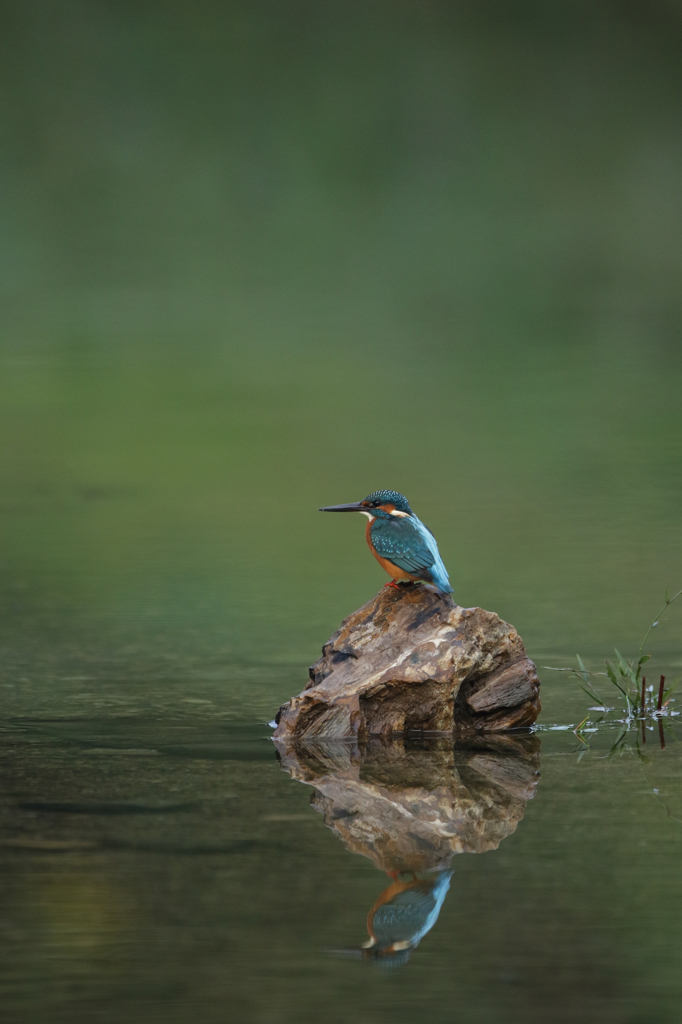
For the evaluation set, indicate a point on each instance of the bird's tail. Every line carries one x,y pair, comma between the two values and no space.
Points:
440,580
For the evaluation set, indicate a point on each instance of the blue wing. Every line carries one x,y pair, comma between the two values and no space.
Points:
407,543
438,570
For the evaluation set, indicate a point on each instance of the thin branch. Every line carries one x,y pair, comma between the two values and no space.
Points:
668,601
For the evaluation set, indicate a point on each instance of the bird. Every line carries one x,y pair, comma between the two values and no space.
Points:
399,920
405,912
399,541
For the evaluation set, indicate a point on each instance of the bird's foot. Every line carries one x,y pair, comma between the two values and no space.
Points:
393,583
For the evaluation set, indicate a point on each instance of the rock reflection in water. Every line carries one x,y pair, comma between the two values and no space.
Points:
410,806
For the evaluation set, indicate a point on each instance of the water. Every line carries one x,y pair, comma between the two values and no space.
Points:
219,891
254,262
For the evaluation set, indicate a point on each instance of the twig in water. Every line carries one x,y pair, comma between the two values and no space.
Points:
579,731
626,676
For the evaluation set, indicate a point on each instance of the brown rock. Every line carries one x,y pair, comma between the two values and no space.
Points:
411,660
410,806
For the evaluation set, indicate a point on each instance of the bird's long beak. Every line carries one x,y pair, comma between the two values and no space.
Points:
345,954
355,506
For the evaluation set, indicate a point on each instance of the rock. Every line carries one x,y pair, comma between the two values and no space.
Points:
412,805
411,660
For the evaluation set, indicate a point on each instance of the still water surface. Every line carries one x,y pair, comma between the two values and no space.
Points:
169,866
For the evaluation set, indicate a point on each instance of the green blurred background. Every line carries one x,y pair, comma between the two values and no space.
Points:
259,257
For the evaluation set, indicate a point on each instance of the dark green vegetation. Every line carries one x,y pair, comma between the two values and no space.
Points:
644,708
627,675
262,257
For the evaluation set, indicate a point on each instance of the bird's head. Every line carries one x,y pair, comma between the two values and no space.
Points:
377,505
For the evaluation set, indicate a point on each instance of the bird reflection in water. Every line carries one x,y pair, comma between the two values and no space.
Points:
401,917
411,805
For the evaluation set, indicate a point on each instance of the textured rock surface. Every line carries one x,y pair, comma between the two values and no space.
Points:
411,807
410,660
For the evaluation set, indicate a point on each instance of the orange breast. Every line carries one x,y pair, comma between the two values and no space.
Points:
393,570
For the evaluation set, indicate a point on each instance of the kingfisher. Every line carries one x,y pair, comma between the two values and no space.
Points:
399,541
399,920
